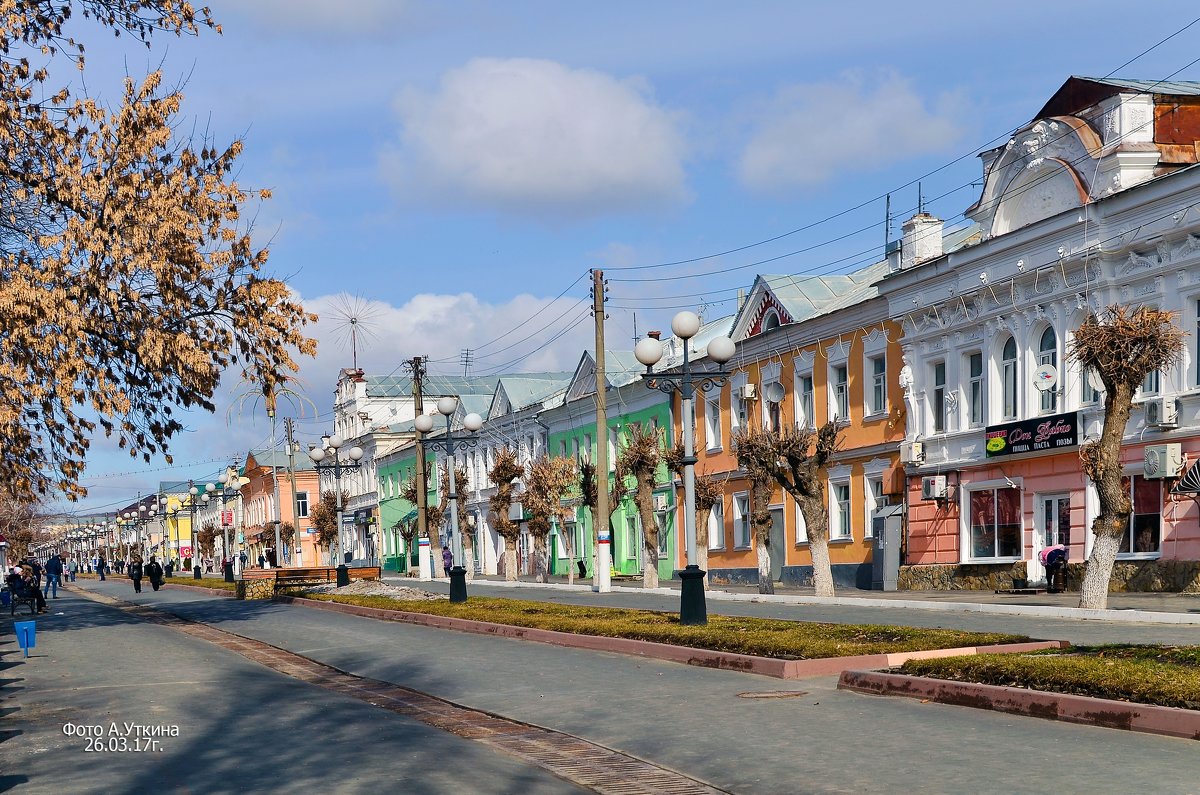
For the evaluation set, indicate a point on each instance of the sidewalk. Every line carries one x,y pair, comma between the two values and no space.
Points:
1151,608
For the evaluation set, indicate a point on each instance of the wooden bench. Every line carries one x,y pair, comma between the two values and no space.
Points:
309,575
14,601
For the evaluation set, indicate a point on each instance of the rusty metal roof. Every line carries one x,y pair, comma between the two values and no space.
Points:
1078,93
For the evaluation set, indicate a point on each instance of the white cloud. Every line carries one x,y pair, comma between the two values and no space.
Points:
810,132
521,134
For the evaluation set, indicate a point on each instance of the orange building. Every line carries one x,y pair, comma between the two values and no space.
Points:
258,503
809,349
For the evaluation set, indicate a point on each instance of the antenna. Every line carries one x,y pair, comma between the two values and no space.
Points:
887,222
354,318
635,334
920,200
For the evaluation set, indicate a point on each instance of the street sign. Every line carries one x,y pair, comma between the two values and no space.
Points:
226,518
185,552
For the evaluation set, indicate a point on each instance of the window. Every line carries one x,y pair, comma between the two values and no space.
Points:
574,447
633,527
1196,337
939,397
996,523
805,415
737,403
975,388
660,518
741,521
840,378
587,445
1145,523
770,322
1152,384
612,449
839,511
1008,379
801,526
716,525
874,499
712,421
562,448
877,404
1048,354
302,504
1090,393
771,414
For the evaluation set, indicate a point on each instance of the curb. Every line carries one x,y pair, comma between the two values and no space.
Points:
728,661
1147,718
1039,611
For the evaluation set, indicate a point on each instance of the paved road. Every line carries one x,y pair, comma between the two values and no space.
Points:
241,727
1073,630
693,719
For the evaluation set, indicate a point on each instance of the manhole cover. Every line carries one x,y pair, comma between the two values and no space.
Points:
775,694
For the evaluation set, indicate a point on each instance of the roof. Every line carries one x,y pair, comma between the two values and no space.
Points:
1078,93
525,390
806,297
432,384
265,457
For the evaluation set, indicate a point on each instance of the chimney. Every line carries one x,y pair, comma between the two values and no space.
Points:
922,240
654,335
741,299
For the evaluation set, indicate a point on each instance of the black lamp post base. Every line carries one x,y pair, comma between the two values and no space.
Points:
196,573
458,584
343,576
692,609
228,567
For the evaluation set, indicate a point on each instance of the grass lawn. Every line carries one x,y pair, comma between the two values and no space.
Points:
789,640
1168,676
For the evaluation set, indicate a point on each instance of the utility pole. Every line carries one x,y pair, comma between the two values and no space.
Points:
601,573
416,366
289,428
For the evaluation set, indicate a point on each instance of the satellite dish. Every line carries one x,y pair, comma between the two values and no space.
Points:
774,391
1094,381
1045,377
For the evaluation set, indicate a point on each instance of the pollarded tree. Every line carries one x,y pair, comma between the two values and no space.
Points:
757,454
206,539
616,493
20,520
504,471
795,459
287,532
323,517
1122,347
545,486
460,489
434,516
640,456
708,494
129,280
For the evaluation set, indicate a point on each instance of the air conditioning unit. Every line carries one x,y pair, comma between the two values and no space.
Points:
1164,461
1161,412
748,392
912,453
660,502
933,487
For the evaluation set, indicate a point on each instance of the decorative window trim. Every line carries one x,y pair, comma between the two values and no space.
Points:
738,516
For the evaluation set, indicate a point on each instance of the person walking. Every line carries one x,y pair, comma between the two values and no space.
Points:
135,573
447,559
73,567
154,571
101,565
54,570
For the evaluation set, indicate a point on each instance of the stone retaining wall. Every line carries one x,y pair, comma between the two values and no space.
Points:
1145,576
255,589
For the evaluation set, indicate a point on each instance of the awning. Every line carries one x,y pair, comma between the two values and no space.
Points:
1190,482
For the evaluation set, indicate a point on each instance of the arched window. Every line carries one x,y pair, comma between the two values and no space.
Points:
1048,354
771,321
1008,378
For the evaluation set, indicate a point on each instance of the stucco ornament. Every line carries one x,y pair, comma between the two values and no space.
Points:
907,383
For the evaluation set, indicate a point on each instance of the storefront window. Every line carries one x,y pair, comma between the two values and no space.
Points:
996,523
1145,523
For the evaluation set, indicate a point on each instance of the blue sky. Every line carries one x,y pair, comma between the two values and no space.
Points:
450,168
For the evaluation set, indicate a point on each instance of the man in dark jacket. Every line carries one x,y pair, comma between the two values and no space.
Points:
154,571
135,573
54,570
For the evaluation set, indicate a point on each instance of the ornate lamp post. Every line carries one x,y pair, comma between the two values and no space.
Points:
649,351
193,493
447,406
229,491
332,449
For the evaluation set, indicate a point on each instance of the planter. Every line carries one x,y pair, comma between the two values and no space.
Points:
1020,583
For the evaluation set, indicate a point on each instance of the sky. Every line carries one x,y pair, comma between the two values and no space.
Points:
447,171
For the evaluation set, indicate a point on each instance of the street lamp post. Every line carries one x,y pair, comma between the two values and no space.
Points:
685,325
193,492
447,406
333,445
229,491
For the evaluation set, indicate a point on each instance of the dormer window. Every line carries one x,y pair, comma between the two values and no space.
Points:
770,321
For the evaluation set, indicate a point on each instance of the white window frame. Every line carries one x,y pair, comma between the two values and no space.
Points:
839,392
1048,400
738,413
938,404
741,517
966,555
713,439
1133,474
1010,375
801,527
301,504
771,373
976,390
841,528
875,350
716,525
871,501
805,399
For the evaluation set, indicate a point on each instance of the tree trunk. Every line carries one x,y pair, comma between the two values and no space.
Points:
760,523
1115,506
765,585
817,523
1093,594
702,543
644,500
468,540
540,562
510,561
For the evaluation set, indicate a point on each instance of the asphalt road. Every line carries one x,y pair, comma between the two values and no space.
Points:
689,719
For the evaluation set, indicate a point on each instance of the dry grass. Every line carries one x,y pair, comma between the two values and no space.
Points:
758,636
1168,676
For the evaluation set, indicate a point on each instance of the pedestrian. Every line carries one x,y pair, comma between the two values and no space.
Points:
154,571
73,567
135,573
170,567
262,561
54,570
101,565
242,558
447,559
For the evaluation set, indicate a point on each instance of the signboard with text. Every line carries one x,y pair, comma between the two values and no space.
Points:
1028,436
226,518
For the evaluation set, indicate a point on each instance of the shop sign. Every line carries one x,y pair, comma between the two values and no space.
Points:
1028,436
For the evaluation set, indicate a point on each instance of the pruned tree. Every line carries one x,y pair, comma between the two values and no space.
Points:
206,539
504,471
434,515
545,486
616,494
408,531
1122,346
287,532
20,521
641,456
708,493
323,517
460,488
129,278
758,455
795,459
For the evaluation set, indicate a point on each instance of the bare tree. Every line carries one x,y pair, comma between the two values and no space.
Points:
708,494
460,488
1122,346
434,515
323,518
758,454
616,493
545,486
640,456
20,522
795,458
504,471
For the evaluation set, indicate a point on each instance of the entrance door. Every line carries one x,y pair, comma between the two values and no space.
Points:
777,543
1053,527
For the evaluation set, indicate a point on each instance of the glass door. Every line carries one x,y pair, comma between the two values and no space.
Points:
1053,527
